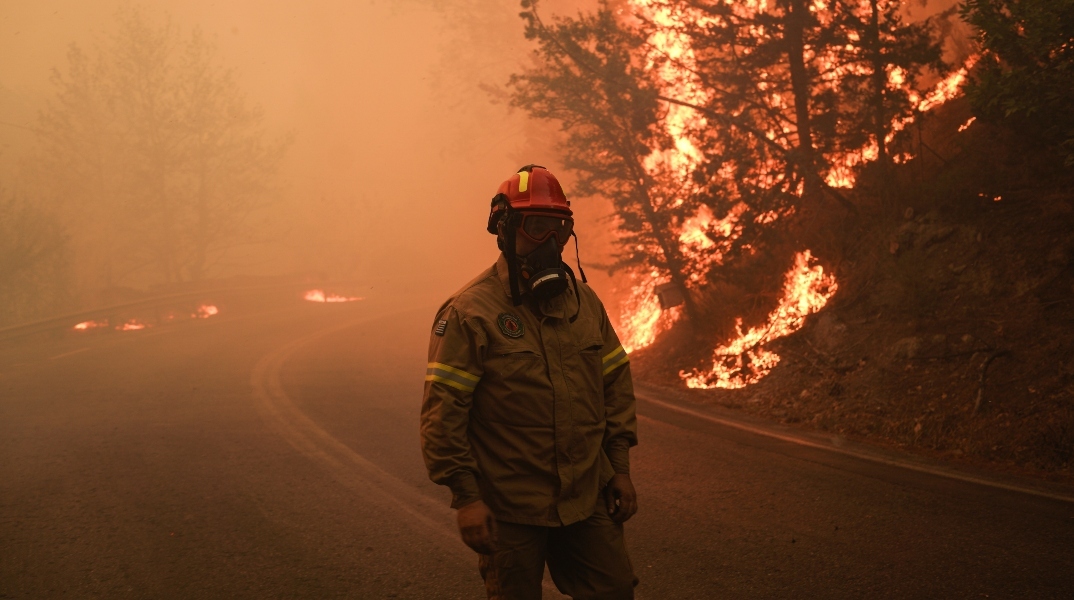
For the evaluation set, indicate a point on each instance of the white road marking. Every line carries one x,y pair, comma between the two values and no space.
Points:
346,466
801,441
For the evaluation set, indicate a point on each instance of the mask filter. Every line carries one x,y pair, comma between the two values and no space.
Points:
542,271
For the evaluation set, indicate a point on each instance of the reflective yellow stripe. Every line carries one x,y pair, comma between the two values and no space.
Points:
523,181
615,359
611,354
616,364
459,372
455,384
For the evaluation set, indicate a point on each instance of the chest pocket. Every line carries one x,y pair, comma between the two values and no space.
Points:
515,388
583,374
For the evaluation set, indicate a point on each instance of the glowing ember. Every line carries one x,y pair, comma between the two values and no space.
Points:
744,360
87,325
205,311
321,296
967,124
132,325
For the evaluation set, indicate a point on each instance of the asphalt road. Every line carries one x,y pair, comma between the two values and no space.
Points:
273,453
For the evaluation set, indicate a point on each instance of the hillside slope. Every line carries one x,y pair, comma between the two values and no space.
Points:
952,333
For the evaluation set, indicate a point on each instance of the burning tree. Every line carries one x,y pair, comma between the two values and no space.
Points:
717,126
590,79
153,148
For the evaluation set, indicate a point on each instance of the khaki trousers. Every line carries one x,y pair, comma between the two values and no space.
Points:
587,560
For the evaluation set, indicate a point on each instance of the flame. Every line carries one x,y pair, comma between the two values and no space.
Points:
703,239
87,325
642,318
205,311
321,296
967,124
744,360
132,325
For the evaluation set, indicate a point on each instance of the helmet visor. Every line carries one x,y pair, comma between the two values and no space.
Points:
539,228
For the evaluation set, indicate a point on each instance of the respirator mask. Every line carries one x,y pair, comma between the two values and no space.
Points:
542,272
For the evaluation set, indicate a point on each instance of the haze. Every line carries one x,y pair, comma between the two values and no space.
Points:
397,143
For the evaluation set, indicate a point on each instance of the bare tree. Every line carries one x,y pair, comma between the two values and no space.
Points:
154,154
33,261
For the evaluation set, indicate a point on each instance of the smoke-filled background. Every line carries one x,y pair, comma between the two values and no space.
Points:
895,167
835,238
359,142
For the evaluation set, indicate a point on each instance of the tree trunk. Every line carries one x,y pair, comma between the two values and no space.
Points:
876,56
794,37
669,247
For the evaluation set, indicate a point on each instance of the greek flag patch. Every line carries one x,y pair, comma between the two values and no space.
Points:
441,327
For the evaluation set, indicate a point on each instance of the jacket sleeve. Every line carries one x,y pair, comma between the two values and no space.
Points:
621,429
456,349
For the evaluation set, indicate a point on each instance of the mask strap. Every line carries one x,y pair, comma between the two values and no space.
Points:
577,295
512,269
578,257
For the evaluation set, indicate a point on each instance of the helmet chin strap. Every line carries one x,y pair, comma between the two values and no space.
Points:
508,231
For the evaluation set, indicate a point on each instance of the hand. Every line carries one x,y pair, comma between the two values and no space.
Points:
621,498
478,527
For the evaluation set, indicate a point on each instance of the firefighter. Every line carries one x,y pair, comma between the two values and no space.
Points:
528,414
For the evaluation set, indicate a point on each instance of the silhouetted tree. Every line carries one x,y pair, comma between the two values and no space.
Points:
153,148
769,106
590,79
1026,72
33,261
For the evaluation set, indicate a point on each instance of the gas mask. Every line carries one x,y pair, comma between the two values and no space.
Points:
543,273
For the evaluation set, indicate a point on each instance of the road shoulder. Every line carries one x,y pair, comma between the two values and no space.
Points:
678,401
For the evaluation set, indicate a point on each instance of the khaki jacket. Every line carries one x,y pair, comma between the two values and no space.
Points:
523,408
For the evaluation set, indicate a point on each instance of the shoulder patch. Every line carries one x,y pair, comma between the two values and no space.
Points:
510,325
441,327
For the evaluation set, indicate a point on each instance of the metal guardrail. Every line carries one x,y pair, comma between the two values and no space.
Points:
70,319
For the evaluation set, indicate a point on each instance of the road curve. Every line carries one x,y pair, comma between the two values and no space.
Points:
273,454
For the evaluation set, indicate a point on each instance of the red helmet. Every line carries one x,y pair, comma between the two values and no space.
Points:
532,189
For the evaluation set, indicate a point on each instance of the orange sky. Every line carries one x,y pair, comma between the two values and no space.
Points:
397,150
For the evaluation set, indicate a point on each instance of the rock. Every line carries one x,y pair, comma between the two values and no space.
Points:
931,234
909,347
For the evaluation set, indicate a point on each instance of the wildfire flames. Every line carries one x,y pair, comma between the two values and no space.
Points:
321,296
642,318
203,311
743,360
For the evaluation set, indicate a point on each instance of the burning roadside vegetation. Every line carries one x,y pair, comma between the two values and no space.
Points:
952,331
850,216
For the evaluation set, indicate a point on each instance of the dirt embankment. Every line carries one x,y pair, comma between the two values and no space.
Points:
952,334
